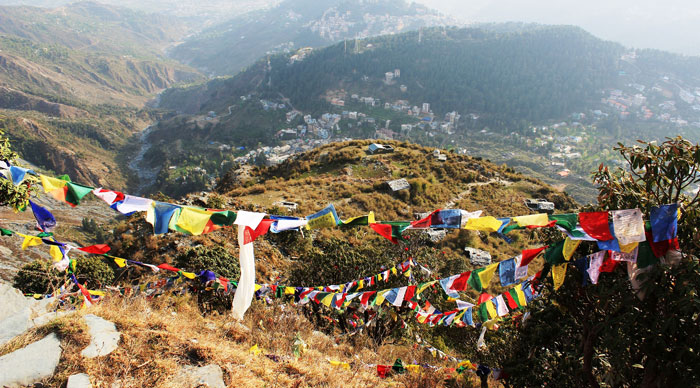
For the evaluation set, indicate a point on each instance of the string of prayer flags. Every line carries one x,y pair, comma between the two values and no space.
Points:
45,221
595,224
664,222
325,218
610,245
628,226
283,223
108,196
193,220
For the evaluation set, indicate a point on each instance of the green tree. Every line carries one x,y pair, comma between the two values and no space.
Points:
607,334
10,195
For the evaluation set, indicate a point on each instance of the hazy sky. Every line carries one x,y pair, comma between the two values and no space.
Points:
672,25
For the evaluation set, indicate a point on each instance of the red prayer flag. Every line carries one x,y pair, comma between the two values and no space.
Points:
365,297
85,292
98,249
529,254
596,225
608,265
549,225
460,283
483,298
660,248
511,302
383,370
425,222
168,267
410,292
385,231
250,235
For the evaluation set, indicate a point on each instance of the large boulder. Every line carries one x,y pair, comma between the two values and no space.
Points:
19,313
104,337
30,364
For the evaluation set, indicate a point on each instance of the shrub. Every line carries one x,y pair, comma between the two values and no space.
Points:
39,276
93,271
216,259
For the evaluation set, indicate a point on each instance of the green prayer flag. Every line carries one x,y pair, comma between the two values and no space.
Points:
645,256
566,221
5,232
398,366
223,218
76,192
483,312
511,227
514,294
555,254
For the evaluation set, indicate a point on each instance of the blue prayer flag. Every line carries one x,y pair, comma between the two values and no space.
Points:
506,271
450,218
44,219
664,222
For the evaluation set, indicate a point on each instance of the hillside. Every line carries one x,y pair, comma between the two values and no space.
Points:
75,80
226,48
545,99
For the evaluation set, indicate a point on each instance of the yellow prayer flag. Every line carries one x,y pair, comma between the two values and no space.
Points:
491,308
254,350
486,275
486,224
257,287
569,248
629,247
326,301
380,297
51,184
189,275
407,273
532,220
193,220
370,218
521,295
56,253
360,284
289,290
325,221
558,275
121,263
30,241
97,293
413,368
422,288
341,364
394,271
422,318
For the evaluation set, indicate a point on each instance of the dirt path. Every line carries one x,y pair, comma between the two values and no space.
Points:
454,201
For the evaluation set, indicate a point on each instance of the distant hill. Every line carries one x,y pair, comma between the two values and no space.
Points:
551,100
74,79
231,46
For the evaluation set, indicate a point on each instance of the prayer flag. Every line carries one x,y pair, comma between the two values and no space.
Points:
131,204
323,219
506,272
628,226
529,254
501,307
121,263
19,173
448,219
262,229
45,221
385,231
480,278
108,196
596,261
569,248
98,249
159,215
193,220
566,221
595,224
664,222
282,223
76,192
532,220
555,254
466,216
485,224
359,220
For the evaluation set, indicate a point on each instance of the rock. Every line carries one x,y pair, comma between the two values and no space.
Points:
19,313
209,375
104,337
81,380
31,363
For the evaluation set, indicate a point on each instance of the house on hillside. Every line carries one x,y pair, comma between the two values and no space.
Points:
376,148
541,205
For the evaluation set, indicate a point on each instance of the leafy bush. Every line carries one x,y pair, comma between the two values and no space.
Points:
39,276
216,259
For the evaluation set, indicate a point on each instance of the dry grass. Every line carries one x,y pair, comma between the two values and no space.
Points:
162,335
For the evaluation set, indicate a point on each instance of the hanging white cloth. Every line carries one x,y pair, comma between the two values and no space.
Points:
246,284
